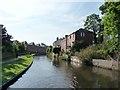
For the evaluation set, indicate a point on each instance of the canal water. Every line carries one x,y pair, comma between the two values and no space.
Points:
47,73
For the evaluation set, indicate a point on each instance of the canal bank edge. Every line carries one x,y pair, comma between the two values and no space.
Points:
14,79
106,64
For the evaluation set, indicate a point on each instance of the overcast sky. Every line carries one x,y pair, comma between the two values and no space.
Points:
41,21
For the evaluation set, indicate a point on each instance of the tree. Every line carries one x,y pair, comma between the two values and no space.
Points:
57,50
93,23
19,47
6,41
111,21
100,33
22,48
49,49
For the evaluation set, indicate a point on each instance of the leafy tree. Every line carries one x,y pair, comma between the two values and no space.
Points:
100,32
19,47
6,41
93,23
16,46
111,21
22,48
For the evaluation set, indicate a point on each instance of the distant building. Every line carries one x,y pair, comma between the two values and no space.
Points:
37,49
63,44
57,42
80,35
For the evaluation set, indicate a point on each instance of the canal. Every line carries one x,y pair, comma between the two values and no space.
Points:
46,73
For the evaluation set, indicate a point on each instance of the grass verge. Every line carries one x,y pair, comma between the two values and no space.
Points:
10,70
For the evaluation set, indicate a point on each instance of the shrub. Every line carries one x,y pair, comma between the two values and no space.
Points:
78,45
76,53
86,54
101,54
92,52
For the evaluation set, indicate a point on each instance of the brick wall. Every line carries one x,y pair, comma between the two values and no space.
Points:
70,41
63,44
36,49
83,35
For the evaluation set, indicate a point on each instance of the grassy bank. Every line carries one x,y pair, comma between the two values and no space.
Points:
9,70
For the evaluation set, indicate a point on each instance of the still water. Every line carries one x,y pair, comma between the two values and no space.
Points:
46,73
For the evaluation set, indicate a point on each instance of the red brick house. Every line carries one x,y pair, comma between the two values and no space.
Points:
79,35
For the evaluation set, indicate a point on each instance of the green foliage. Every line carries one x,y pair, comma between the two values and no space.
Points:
77,46
49,49
6,41
101,54
111,21
6,38
87,54
19,47
11,46
93,52
93,22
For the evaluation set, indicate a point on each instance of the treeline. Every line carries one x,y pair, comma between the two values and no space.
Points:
9,46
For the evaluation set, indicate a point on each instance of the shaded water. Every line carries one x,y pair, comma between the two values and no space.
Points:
45,73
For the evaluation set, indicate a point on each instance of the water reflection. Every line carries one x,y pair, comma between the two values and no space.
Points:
86,76
62,74
94,77
56,62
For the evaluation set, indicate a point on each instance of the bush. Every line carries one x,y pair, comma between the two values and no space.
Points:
92,52
101,54
78,45
86,54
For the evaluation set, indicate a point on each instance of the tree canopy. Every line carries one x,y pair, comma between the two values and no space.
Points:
6,41
93,23
111,21
11,46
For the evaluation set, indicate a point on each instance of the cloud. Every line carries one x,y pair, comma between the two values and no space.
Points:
21,9
42,21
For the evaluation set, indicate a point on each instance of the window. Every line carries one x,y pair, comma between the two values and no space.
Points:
82,34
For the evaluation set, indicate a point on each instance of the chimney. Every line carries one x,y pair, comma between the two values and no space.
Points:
57,38
66,36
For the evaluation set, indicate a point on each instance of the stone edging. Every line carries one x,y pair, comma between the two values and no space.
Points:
14,79
108,64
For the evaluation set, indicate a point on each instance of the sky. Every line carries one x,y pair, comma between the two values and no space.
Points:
41,21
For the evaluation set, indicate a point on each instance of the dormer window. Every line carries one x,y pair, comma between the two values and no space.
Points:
82,34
